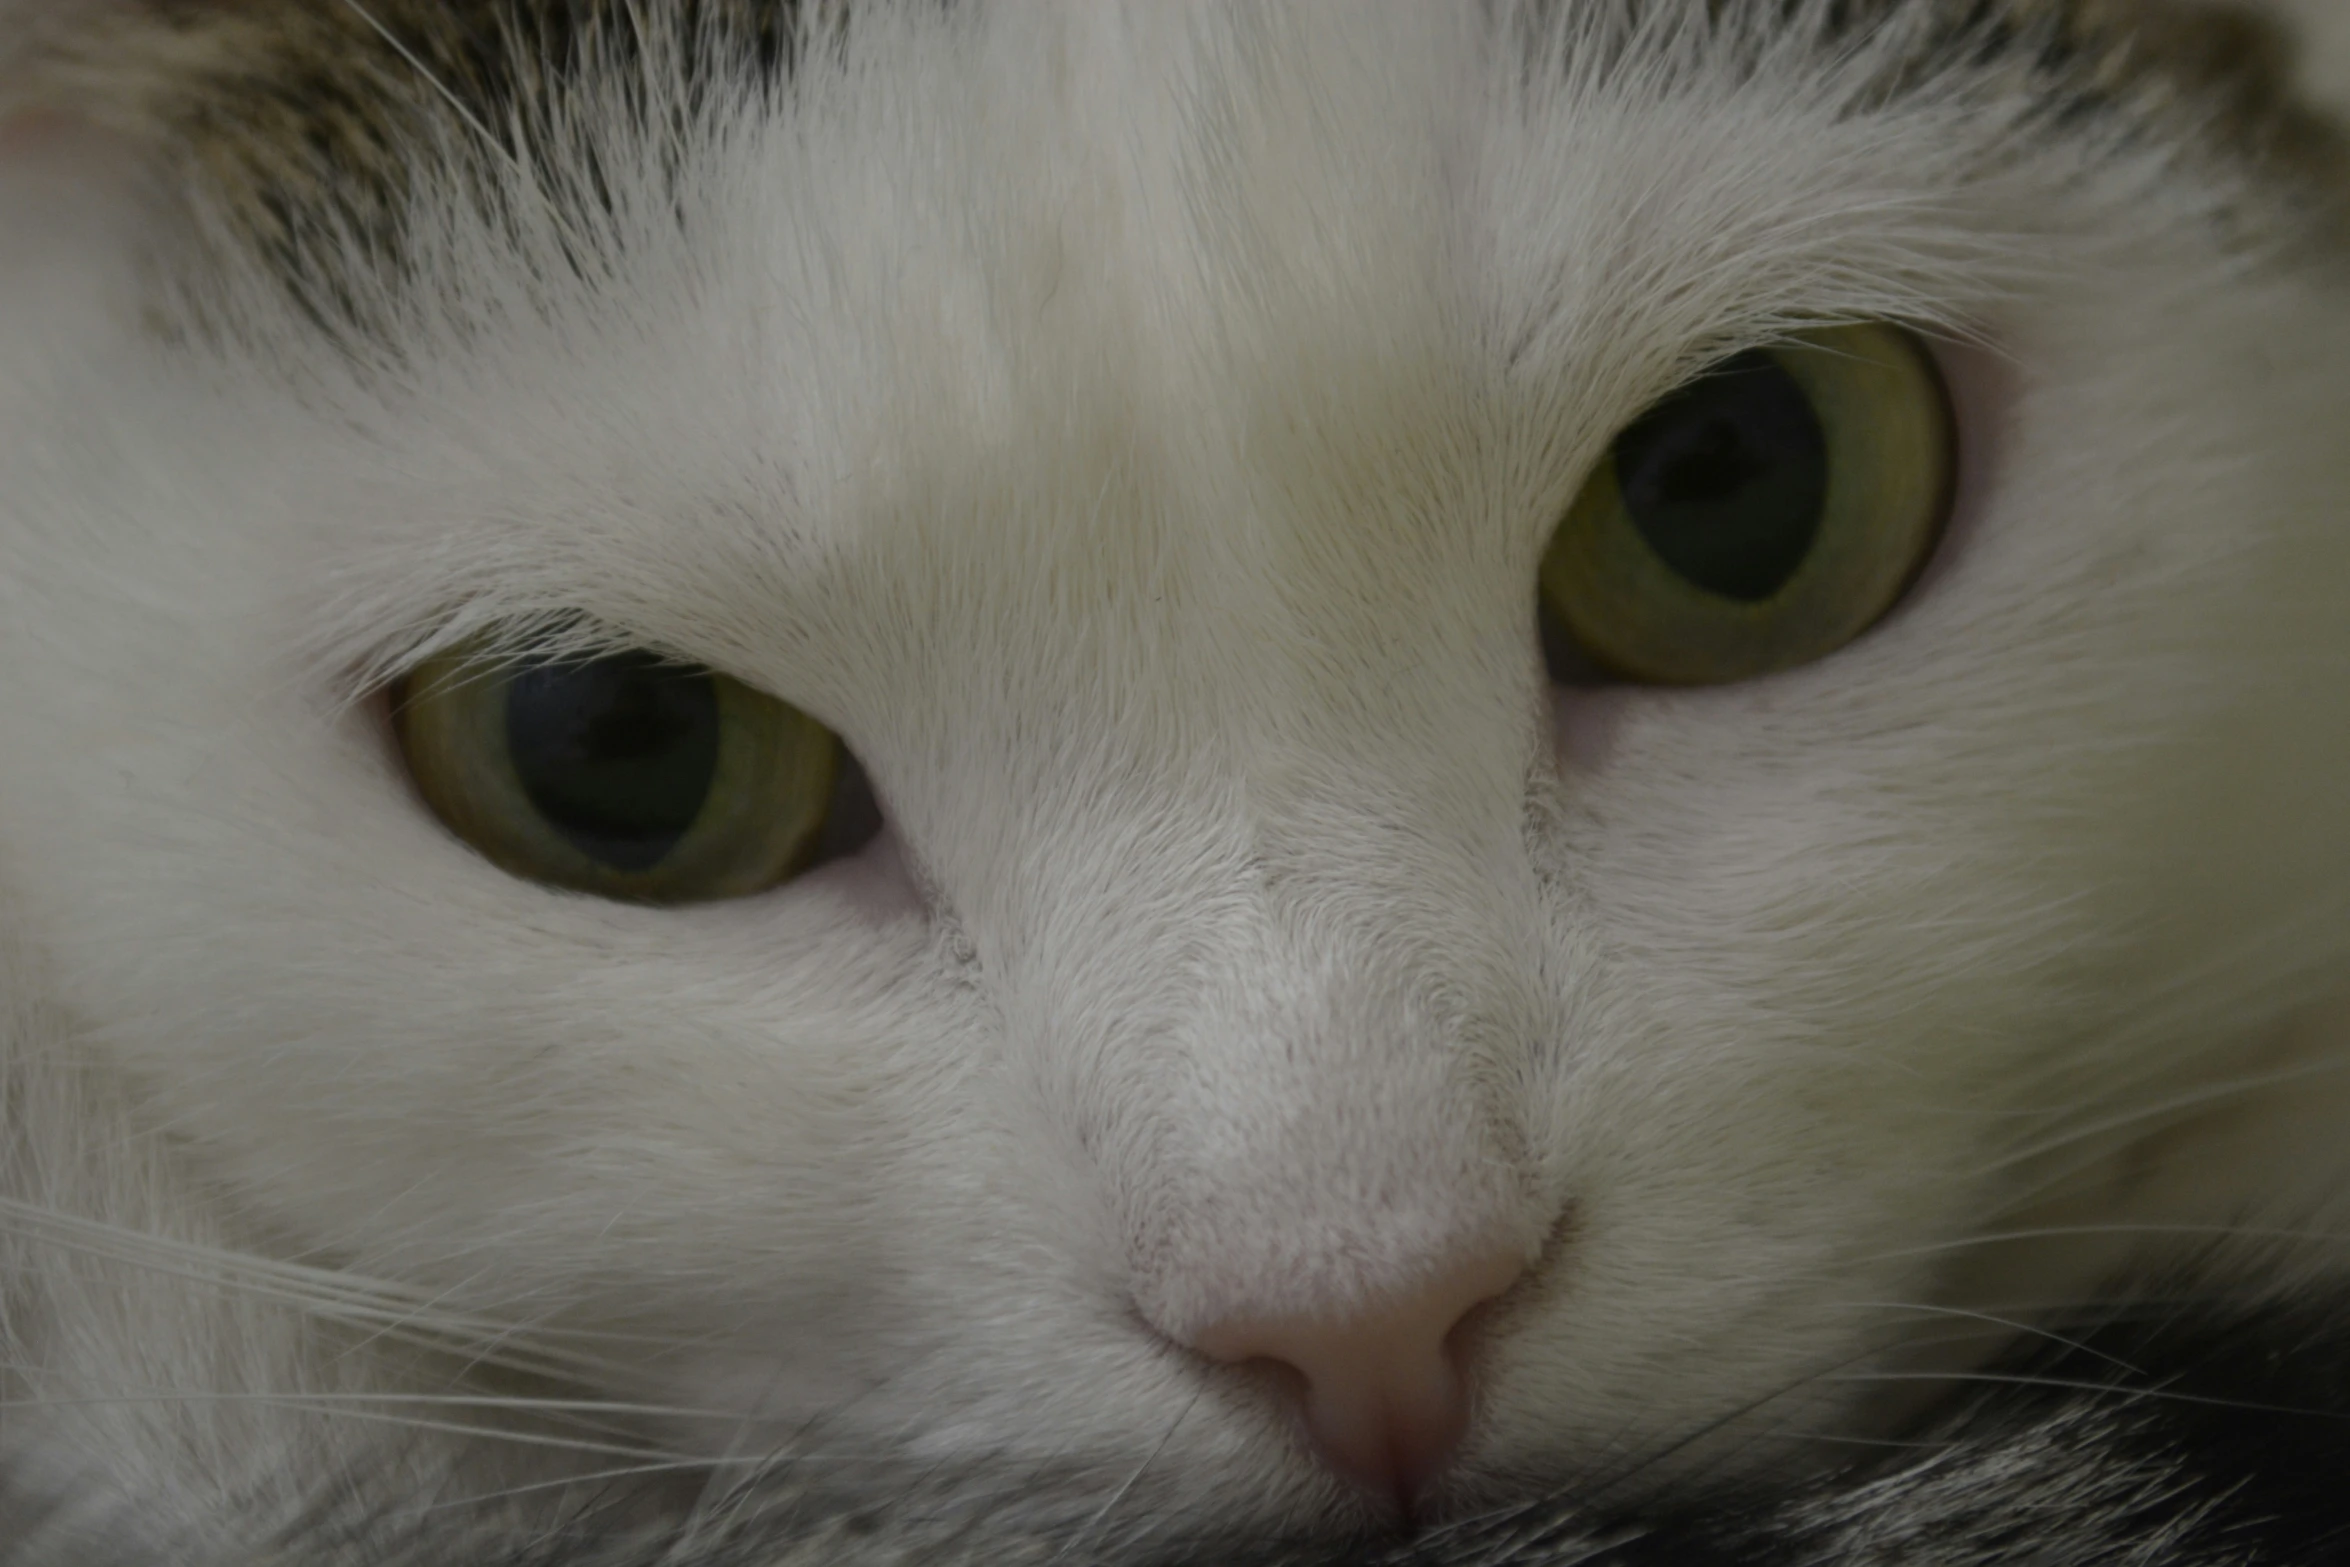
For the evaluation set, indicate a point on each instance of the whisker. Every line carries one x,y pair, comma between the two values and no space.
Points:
1651,1460
1838,1372
331,1295
2065,1231
2196,1099
457,105
1991,1319
428,1400
2084,1385
1119,1495
561,1483
304,1404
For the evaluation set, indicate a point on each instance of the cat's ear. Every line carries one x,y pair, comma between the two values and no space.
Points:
76,185
84,80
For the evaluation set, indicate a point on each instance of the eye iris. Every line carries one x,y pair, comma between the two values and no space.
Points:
618,754
1727,480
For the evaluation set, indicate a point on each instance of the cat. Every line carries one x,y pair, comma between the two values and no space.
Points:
1115,782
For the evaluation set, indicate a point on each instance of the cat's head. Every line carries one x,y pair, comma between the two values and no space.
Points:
1279,1020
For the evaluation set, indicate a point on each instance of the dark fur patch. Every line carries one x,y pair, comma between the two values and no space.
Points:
2213,76
2206,77
314,124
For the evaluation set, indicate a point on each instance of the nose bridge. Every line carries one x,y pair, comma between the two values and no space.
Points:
1270,956
1297,1007
1282,982
1336,1128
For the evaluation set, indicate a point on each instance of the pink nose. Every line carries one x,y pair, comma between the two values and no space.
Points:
1386,1403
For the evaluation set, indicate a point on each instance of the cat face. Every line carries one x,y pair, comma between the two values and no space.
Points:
1137,435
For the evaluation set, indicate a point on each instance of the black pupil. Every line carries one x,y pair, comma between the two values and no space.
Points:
1727,478
617,753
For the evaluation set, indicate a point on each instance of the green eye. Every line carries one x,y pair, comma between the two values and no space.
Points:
627,775
1762,516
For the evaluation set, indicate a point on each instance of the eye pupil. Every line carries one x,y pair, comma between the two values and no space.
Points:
1727,480
618,754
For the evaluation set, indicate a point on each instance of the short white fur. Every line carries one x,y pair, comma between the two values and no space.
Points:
1134,429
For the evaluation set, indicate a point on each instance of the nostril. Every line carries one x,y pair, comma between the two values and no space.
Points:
1382,1392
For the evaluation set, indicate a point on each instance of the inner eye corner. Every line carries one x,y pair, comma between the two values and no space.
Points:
854,814
1565,660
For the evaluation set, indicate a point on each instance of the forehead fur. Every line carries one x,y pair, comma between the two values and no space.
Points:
314,126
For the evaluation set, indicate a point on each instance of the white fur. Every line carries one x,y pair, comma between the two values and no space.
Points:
1135,429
